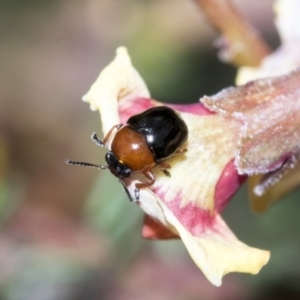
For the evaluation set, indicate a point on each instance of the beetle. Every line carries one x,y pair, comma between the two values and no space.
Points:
146,141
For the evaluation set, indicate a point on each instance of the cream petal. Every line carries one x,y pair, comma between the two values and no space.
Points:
219,253
118,81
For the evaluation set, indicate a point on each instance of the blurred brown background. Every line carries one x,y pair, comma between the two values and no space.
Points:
71,233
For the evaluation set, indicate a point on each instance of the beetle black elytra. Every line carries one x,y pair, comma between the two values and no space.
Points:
146,141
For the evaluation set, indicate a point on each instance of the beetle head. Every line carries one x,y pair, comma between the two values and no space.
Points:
116,167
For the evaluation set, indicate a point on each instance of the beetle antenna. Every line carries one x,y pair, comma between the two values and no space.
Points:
85,164
95,138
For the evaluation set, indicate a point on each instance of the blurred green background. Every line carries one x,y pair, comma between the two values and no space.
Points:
71,233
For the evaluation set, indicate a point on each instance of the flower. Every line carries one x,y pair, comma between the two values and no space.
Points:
242,131
202,181
284,60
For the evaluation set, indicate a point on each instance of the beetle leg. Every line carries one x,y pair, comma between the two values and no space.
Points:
137,194
163,166
149,175
97,141
126,189
167,173
105,141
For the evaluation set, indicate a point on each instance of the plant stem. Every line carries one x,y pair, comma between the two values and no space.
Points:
242,45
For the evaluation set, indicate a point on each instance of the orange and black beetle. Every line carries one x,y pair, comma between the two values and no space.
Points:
146,141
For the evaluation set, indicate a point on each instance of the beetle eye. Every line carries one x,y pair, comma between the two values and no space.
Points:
117,168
